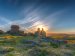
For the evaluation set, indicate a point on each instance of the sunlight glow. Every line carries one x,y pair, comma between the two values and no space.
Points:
42,26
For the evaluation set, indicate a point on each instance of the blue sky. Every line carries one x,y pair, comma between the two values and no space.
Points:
56,15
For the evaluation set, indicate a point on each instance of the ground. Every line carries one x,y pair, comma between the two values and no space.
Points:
29,46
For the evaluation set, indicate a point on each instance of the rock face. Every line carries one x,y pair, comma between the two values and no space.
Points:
43,33
37,33
15,30
1,32
40,33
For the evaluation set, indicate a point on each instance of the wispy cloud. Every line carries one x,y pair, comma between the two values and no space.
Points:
32,20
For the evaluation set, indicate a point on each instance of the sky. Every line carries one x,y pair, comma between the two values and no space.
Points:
53,15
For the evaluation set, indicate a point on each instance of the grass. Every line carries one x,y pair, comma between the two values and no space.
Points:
46,49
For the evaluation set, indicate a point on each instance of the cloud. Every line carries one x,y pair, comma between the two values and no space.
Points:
33,19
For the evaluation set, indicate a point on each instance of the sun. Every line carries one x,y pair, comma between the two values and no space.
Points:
42,26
